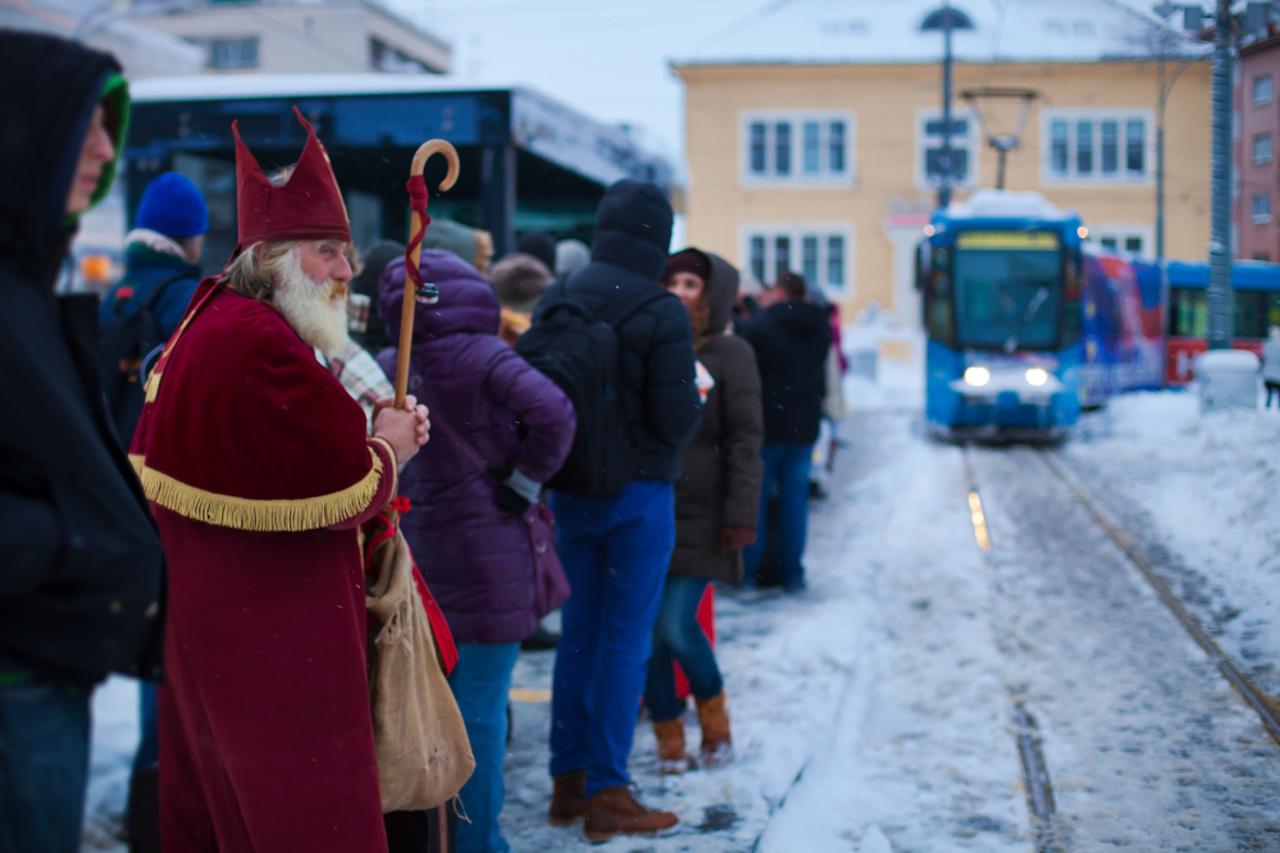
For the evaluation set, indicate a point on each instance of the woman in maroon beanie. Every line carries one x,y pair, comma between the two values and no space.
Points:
717,501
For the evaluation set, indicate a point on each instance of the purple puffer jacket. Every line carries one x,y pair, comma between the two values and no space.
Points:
476,557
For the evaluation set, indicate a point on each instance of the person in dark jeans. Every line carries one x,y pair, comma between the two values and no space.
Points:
80,563
791,338
717,498
616,549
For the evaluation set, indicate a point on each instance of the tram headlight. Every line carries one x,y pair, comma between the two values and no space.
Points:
977,376
1037,376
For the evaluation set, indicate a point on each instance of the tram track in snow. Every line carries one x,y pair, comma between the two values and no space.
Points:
1266,707
1037,783
1035,770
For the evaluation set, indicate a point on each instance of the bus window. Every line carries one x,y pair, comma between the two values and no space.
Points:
1273,310
1252,313
1008,289
1073,296
1188,313
937,299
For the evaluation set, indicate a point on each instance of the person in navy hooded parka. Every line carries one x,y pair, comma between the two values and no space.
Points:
466,528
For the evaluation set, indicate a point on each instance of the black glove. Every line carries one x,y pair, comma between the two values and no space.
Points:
516,492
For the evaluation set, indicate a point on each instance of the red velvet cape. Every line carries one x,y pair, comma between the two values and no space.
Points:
260,473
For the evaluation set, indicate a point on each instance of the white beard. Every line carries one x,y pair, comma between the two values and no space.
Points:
316,311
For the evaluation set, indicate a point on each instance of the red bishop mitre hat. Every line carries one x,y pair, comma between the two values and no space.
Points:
308,207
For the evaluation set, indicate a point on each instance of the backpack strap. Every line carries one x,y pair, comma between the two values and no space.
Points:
620,312
154,299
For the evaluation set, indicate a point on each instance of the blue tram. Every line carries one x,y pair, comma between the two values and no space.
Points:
1001,277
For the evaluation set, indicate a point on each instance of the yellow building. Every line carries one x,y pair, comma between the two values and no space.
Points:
813,134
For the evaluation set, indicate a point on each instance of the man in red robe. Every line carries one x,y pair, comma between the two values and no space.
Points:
261,469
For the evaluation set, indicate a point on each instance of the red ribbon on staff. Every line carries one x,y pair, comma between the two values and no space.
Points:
419,200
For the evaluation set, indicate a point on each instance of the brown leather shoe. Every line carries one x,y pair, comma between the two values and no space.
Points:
568,798
713,716
616,811
670,736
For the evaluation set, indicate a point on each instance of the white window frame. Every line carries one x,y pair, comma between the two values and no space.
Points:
1122,116
1253,90
796,232
1121,232
1253,149
244,51
796,119
971,142
1254,216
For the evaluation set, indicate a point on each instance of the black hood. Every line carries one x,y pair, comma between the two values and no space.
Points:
633,228
51,88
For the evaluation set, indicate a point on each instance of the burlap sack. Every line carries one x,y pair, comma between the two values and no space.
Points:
424,757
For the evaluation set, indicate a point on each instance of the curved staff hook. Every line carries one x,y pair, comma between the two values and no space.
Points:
414,286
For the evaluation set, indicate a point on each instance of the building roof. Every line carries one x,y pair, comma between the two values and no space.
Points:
821,32
216,87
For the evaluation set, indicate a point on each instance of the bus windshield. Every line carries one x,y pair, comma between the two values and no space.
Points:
1008,289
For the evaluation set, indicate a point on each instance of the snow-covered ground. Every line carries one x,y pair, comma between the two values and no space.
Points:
875,711
1201,497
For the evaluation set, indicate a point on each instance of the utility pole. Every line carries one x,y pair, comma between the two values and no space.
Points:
1220,297
948,170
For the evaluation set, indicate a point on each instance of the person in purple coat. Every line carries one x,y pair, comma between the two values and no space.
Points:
466,527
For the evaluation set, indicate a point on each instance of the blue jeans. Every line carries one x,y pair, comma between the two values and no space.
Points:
44,766
615,552
786,469
480,683
678,637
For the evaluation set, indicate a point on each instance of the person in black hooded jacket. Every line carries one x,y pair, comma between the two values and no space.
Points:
615,550
81,569
791,339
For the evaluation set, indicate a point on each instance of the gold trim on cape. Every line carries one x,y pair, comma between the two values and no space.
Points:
285,515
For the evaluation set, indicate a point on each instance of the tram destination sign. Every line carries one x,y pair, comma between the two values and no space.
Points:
1045,241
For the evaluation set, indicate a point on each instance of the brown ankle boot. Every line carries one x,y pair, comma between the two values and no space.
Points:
568,798
670,735
614,811
713,716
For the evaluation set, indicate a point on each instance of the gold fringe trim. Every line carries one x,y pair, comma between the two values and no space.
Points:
152,388
264,516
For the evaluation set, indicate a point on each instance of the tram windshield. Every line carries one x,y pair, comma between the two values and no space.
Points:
1008,289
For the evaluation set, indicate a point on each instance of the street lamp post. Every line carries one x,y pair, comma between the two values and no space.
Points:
948,172
947,20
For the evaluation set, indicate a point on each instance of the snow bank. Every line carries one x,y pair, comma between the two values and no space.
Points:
879,379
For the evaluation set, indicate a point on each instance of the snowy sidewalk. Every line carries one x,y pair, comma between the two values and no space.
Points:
867,709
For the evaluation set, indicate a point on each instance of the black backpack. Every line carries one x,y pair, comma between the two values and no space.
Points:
579,352
123,345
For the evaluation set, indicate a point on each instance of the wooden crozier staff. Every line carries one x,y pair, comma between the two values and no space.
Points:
414,289
419,222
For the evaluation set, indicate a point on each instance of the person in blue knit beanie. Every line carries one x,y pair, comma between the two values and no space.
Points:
162,251
161,273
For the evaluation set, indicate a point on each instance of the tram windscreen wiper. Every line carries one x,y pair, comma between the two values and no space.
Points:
1033,307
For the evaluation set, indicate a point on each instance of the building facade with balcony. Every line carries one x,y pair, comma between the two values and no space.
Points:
285,36
814,135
